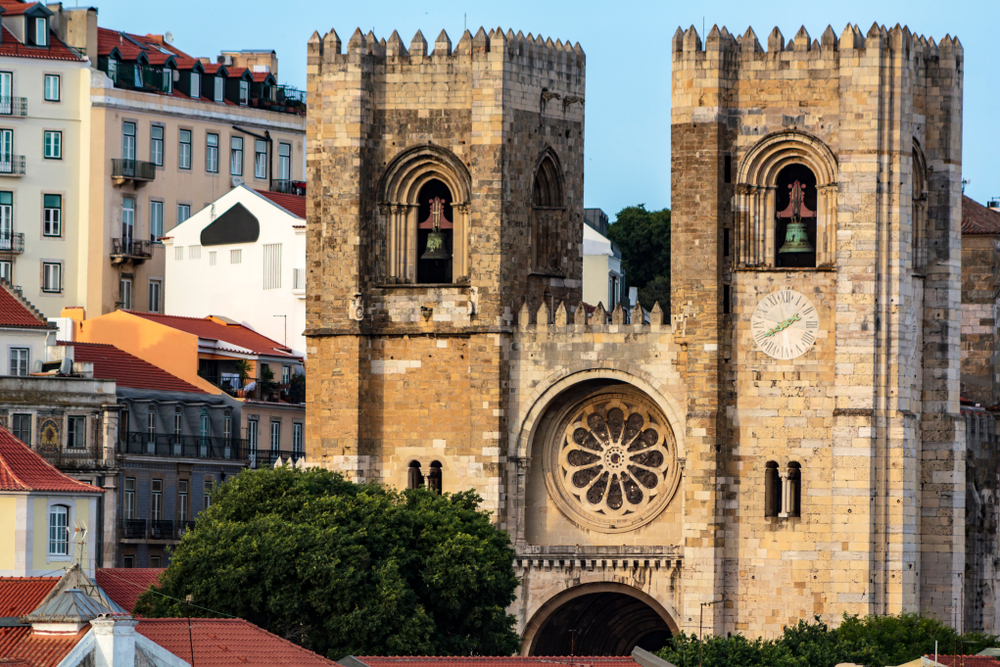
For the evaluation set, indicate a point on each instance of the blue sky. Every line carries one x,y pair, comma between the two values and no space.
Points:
628,59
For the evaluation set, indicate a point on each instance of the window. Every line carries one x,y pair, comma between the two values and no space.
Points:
253,428
19,357
6,220
244,93
137,75
207,494
227,427
211,258
156,145
129,509
284,162
194,252
235,256
260,159
113,69
275,436
52,215
58,530
156,499
298,279
128,219
6,93
52,277
793,490
76,432
184,152
220,87
203,429
128,141
53,145
236,156
286,374
123,426
5,271
155,303
179,253
183,212
155,221
41,32
52,87
182,500
434,479
212,153
272,266
125,293
414,478
178,421
772,490
297,447
195,85
21,426
168,80
128,561
151,425
155,561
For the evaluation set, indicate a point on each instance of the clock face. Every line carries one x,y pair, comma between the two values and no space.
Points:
784,324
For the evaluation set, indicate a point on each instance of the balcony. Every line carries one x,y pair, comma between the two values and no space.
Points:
13,106
161,530
134,529
288,187
132,170
267,458
183,446
12,165
12,243
129,250
76,458
183,527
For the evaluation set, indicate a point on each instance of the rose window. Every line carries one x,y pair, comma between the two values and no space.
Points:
614,464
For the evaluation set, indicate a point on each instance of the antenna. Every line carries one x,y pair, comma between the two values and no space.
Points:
82,530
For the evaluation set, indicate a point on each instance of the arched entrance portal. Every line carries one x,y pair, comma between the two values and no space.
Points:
598,619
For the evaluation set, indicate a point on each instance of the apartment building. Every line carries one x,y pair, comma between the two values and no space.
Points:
109,139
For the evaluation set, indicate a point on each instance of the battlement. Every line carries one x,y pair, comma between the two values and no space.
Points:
687,43
545,52
542,320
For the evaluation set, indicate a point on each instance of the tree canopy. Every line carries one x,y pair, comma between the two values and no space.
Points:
344,568
644,239
875,641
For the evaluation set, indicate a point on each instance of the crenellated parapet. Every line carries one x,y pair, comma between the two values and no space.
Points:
577,319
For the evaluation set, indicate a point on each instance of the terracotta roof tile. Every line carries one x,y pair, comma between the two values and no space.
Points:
497,661
227,642
977,220
111,363
125,585
21,595
16,312
22,469
294,204
37,650
15,7
967,660
234,334
56,50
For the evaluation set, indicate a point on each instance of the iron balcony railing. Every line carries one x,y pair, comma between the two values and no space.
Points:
130,248
183,527
288,186
161,530
11,165
134,529
13,242
268,458
13,106
183,446
135,170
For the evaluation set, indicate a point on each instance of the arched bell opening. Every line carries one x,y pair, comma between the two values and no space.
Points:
435,233
598,619
795,221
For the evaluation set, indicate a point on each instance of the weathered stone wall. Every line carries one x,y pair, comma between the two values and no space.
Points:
980,353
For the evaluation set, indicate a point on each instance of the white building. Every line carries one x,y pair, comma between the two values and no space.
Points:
243,257
603,277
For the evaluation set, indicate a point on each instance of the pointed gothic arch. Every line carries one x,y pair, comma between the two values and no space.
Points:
411,175
548,213
918,207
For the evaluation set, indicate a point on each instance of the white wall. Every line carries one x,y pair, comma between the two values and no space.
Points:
599,263
36,340
196,288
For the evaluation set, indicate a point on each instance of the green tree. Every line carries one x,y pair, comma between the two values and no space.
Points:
644,239
343,568
875,641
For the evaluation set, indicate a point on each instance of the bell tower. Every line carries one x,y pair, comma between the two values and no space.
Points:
445,189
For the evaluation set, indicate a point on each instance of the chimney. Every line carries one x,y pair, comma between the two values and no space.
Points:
77,27
114,640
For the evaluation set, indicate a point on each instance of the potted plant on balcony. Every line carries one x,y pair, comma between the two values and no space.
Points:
267,384
243,368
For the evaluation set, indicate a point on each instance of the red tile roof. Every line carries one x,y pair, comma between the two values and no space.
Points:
127,370
294,204
977,220
234,334
56,50
967,660
125,585
37,650
16,312
21,595
497,661
15,7
22,469
227,642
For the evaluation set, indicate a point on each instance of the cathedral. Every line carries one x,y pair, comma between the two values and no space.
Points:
782,440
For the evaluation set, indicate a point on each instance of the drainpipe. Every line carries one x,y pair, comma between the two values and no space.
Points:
270,152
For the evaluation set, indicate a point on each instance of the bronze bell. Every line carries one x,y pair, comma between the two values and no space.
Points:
436,247
796,239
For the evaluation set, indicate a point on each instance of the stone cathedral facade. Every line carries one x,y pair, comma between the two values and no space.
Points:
780,441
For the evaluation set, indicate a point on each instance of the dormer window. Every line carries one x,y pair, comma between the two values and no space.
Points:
219,89
244,93
137,75
41,32
113,69
168,80
195,85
